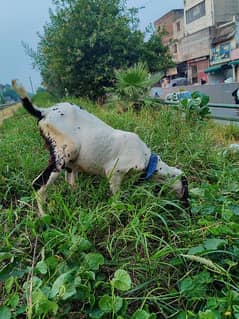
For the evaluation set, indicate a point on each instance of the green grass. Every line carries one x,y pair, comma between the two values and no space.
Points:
65,264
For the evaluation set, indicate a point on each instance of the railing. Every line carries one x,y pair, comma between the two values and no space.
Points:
219,106
225,106
4,106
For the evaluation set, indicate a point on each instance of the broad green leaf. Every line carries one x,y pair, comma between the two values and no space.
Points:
184,102
118,304
236,311
94,261
42,305
196,250
196,94
84,244
96,314
5,312
13,300
68,291
41,267
9,283
208,314
106,304
214,243
36,281
121,280
141,314
195,287
58,286
83,292
204,100
208,244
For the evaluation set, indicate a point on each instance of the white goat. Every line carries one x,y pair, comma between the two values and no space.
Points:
80,142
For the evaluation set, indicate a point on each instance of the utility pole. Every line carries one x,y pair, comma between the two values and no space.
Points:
30,79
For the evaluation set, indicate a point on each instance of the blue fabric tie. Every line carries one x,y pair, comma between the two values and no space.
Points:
152,165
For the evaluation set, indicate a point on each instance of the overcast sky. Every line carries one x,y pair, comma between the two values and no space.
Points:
21,20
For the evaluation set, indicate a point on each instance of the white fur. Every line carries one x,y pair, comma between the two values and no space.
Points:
83,143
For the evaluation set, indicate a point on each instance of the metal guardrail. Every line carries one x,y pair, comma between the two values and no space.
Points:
216,105
224,106
4,106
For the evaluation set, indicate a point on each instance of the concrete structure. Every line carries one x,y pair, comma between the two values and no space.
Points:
173,23
209,37
198,15
201,14
196,52
224,46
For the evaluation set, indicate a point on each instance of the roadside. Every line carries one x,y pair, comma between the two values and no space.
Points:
8,111
218,93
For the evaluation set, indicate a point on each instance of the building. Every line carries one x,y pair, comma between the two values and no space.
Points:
173,23
224,57
210,36
208,48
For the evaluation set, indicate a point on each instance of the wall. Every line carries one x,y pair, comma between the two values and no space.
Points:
201,23
196,45
178,36
167,22
220,93
224,10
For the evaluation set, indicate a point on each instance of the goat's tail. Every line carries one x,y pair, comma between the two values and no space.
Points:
26,102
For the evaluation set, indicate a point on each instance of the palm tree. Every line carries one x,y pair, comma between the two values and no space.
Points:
133,85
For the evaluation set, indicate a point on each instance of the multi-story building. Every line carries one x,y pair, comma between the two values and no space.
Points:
210,31
209,46
173,23
224,55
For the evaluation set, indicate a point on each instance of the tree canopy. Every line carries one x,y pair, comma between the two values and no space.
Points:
85,41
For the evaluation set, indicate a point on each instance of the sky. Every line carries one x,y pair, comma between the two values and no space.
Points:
22,20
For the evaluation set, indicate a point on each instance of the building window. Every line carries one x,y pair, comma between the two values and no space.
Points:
175,48
178,26
196,12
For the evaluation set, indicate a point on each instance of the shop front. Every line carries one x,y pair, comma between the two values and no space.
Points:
196,73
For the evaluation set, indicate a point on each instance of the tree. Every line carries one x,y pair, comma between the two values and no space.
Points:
9,94
2,100
86,41
155,54
132,87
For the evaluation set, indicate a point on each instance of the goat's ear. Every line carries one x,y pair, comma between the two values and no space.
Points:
19,88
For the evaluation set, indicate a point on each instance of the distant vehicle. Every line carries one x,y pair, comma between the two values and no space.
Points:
178,82
229,80
178,96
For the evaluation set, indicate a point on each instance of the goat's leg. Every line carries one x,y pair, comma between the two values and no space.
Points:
41,183
115,181
70,177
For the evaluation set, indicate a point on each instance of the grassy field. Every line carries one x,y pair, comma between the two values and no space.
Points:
132,255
